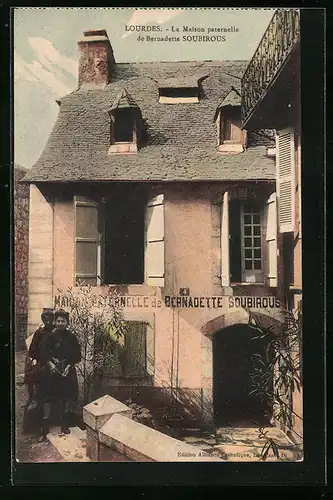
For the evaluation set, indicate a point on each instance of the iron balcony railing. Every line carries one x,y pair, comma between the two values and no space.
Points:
277,43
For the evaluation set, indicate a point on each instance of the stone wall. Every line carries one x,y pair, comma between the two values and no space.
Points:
21,256
41,245
112,435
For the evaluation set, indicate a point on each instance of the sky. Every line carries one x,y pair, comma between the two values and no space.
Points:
45,54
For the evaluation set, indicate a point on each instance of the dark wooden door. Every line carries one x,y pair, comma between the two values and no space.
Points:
233,357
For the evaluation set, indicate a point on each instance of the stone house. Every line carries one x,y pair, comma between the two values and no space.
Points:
149,184
273,100
21,256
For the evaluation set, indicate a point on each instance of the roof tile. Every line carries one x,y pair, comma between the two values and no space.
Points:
181,139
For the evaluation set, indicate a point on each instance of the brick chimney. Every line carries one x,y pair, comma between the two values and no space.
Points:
95,59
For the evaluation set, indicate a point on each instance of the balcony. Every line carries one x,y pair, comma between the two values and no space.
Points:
268,64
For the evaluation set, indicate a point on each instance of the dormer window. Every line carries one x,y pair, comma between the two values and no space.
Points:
182,90
231,137
178,95
126,124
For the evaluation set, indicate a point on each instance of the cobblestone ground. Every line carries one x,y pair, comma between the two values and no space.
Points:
27,447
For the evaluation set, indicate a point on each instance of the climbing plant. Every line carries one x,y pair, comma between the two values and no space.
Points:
99,325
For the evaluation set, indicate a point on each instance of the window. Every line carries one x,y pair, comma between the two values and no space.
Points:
126,124
178,95
251,233
231,136
121,241
244,246
231,131
124,239
87,242
245,242
124,137
123,127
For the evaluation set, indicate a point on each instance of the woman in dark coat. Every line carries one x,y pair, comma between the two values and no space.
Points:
33,364
59,353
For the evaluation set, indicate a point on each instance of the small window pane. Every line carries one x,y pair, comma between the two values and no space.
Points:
247,219
257,242
257,230
257,253
248,264
256,219
248,242
248,253
86,222
247,230
257,264
86,258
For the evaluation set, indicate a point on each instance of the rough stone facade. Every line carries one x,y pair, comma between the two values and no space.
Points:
21,255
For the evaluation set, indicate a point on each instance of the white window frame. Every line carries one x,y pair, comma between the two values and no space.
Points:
251,275
97,241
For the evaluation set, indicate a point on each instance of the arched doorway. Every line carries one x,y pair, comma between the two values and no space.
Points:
234,350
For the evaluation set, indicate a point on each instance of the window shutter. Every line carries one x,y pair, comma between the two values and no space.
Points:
216,210
154,241
271,218
235,243
87,242
225,241
150,349
135,346
285,162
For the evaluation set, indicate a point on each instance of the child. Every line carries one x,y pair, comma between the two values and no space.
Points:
33,366
59,353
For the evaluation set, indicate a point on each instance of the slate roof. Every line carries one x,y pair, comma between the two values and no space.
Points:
123,100
181,139
181,81
232,99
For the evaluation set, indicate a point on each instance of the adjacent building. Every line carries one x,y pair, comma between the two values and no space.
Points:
271,90
153,183
21,256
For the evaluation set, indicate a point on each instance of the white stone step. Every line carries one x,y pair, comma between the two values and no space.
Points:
72,447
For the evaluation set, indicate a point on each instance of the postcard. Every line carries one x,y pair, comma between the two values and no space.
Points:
158,235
